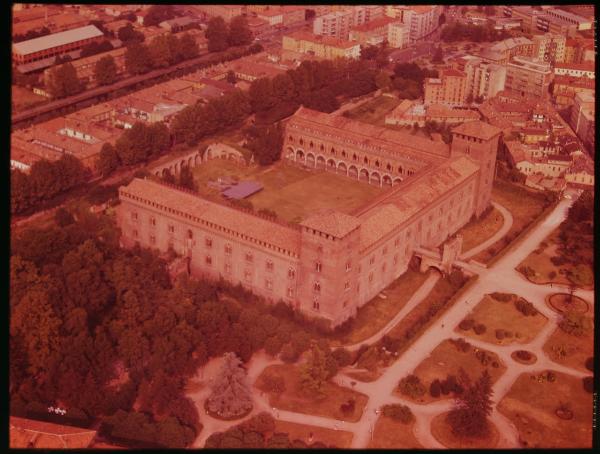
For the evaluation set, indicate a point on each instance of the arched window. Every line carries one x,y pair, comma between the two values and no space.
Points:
291,139
301,142
333,151
190,234
316,305
376,163
291,273
322,147
317,287
311,145
366,160
343,153
388,167
354,157
399,169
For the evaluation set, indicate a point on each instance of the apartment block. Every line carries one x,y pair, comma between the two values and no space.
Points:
398,35
529,76
449,89
422,20
320,46
549,47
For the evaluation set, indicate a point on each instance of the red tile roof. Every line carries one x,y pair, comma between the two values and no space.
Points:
332,222
477,129
25,433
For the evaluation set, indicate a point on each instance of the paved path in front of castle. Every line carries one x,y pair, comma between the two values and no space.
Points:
500,277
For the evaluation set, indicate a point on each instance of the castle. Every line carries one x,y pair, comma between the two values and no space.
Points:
331,263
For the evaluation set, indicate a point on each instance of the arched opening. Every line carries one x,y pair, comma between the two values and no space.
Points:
290,153
310,159
311,145
352,172
376,163
333,151
343,153
299,156
364,175
320,162
354,157
397,181
342,169
157,173
387,180
388,167
331,165
366,160
400,169
375,179
190,161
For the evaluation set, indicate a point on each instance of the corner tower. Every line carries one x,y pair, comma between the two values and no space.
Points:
329,263
479,140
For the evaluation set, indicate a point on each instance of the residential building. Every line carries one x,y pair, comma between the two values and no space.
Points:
227,12
410,112
55,44
373,32
336,24
575,70
398,35
52,17
331,263
320,46
273,15
564,88
580,51
583,117
293,15
581,174
449,89
530,76
549,47
179,24
421,19
582,23
484,79
512,47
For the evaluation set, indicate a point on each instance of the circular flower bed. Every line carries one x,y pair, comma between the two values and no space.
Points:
562,303
523,357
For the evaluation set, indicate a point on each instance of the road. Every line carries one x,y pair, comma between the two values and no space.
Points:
412,53
22,117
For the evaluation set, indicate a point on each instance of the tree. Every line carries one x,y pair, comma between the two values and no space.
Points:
438,56
383,80
63,217
314,373
231,77
368,52
469,416
186,178
105,70
217,34
129,35
157,14
94,48
239,33
108,160
137,59
189,46
161,52
63,81
231,395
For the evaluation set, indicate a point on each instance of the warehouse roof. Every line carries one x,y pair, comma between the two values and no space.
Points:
56,39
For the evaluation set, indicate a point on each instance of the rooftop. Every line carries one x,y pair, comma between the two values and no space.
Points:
478,129
56,39
302,35
26,433
332,222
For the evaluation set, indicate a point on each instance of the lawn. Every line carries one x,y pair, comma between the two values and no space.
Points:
392,434
525,206
338,438
374,111
442,432
293,399
378,312
479,230
500,315
532,405
22,98
292,192
569,350
546,271
446,359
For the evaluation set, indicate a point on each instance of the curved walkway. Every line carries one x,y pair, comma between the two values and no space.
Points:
506,225
500,277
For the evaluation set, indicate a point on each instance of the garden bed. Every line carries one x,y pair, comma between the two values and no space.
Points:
568,350
523,357
563,302
442,432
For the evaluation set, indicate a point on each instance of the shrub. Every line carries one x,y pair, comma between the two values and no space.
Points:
391,344
503,297
508,334
525,307
588,384
499,334
558,260
551,376
523,355
411,386
368,360
589,363
342,356
348,407
552,275
435,388
398,412
289,354
461,344
495,364
479,328
466,324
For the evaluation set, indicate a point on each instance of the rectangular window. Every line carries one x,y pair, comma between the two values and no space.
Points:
345,303
248,275
370,277
385,249
135,233
270,266
348,266
291,273
228,268
153,221
152,239
208,260
316,305
208,243
372,260
318,267
134,216
171,228
347,286
228,249
249,257
269,284
290,292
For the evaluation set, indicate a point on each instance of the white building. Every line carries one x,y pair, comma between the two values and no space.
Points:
398,35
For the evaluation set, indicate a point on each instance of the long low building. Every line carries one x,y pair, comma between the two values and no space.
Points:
331,263
55,44
320,46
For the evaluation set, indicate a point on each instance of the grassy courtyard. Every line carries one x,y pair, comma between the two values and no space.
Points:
478,231
293,193
378,312
545,271
503,315
446,359
525,206
374,111
531,405
293,398
391,434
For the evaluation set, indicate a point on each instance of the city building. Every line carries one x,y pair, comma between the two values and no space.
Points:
272,15
530,76
582,23
293,15
55,44
580,51
586,69
227,12
373,32
331,263
564,88
398,35
179,24
29,433
512,47
484,79
320,46
422,20
52,17
583,117
549,47
581,174
408,112
449,89
336,24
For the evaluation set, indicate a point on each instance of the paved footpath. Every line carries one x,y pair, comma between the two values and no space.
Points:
500,277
